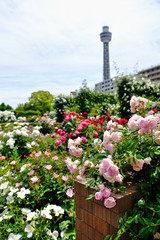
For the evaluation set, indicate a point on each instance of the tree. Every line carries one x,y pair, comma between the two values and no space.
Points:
41,101
4,107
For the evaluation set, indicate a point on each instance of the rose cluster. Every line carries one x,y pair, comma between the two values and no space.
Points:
109,170
73,147
104,193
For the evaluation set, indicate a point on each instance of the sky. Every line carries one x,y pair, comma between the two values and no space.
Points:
53,45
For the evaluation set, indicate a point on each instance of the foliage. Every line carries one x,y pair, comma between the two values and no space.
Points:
41,101
28,113
4,107
59,107
84,98
129,85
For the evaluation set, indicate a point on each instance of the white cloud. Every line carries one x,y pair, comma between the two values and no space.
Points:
55,44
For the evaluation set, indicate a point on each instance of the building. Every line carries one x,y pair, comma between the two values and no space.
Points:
107,84
153,73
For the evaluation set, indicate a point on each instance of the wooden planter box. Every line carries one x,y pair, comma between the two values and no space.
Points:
93,220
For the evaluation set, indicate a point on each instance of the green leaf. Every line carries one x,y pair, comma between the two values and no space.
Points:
138,156
136,219
157,152
121,220
108,237
90,196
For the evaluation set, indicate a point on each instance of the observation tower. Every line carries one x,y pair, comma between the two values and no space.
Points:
105,37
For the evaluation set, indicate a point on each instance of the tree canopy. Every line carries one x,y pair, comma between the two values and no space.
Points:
41,101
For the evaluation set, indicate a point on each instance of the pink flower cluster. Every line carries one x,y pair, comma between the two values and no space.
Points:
138,104
138,165
69,192
72,166
142,123
61,132
113,126
109,170
108,138
73,147
83,124
104,193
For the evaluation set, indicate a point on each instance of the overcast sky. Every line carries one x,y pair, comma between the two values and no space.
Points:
53,45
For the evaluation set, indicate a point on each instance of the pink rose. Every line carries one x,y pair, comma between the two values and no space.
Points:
110,147
116,136
57,143
133,125
56,175
63,138
84,139
106,193
80,127
69,192
110,202
13,162
76,132
119,178
47,153
78,141
38,154
34,179
139,165
113,170
152,124
55,158
106,137
84,124
109,177
72,150
147,160
79,152
105,164
19,184
65,178
101,187
68,118
98,195
143,122
30,173
48,167
96,134
70,143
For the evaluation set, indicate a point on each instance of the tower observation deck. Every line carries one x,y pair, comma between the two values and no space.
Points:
105,37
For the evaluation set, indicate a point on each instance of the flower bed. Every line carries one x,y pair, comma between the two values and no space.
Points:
39,164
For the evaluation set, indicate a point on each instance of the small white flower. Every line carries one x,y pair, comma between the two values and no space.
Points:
14,236
64,235
54,234
46,213
30,229
35,133
4,185
21,195
58,210
25,211
31,215
28,145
